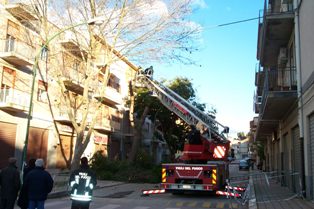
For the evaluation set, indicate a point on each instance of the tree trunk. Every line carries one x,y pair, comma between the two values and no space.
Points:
80,146
137,135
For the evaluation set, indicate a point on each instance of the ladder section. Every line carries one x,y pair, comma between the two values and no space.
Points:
182,108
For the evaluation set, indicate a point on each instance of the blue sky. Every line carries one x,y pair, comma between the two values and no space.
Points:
224,76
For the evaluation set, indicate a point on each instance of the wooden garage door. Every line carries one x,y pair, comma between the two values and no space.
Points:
7,142
67,142
37,143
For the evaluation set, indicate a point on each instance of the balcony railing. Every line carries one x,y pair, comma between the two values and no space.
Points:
74,76
278,80
102,123
12,98
17,52
280,8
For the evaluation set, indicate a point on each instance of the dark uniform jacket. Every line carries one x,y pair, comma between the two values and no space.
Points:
38,184
10,182
82,182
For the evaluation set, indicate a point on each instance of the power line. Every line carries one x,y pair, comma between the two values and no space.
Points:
232,23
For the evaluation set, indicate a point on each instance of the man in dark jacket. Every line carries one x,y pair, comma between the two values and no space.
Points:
82,182
38,184
22,201
10,184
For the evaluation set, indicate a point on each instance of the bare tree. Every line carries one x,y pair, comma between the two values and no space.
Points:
142,31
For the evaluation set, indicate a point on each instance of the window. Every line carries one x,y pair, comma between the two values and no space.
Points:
100,79
8,78
114,82
10,43
42,92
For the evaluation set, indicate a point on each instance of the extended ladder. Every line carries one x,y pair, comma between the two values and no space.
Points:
182,108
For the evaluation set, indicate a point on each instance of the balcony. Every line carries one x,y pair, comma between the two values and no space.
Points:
17,52
279,95
111,97
21,11
275,29
257,103
253,124
73,80
70,44
14,100
102,124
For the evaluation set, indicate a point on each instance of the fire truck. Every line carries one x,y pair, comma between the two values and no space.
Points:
203,166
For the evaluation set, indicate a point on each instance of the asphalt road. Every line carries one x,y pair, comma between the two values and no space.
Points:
129,196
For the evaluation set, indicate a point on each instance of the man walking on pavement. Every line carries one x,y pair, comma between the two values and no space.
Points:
82,182
10,184
38,184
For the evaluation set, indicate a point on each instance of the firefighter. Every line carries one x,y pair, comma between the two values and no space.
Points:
82,182
194,137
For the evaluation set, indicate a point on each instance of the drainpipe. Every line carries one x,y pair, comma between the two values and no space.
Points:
297,4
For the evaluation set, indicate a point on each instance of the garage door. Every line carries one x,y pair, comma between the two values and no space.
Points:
67,142
37,143
7,142
296,159
285,160
311,121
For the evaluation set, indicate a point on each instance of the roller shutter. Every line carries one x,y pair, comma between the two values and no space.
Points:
311,124
285,159
296,159
7,142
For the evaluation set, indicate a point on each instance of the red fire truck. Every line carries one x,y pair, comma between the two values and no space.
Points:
202,166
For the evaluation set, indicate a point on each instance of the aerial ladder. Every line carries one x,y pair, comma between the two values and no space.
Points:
201,167
215,145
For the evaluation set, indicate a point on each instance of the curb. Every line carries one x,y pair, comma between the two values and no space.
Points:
252,201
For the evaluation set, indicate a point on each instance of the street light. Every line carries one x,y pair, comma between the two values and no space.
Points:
97,21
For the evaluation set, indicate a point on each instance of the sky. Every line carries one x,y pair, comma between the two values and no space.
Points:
224,75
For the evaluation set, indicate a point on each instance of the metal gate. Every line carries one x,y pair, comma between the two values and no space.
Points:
311,124
296,160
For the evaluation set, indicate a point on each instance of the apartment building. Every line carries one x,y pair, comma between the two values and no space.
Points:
20,42
284,92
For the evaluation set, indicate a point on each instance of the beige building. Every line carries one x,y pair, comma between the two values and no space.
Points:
20,42
285,91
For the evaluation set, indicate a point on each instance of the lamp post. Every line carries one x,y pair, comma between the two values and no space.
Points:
97,20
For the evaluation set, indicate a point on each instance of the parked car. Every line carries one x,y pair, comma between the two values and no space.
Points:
244,164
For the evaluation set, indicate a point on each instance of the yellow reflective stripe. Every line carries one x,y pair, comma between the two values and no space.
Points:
163,175
214,176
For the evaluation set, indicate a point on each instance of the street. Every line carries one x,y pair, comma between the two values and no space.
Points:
128,196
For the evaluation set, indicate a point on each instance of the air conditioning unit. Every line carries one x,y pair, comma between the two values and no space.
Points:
282,57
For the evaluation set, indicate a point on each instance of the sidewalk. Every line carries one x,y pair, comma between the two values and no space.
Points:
273,195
